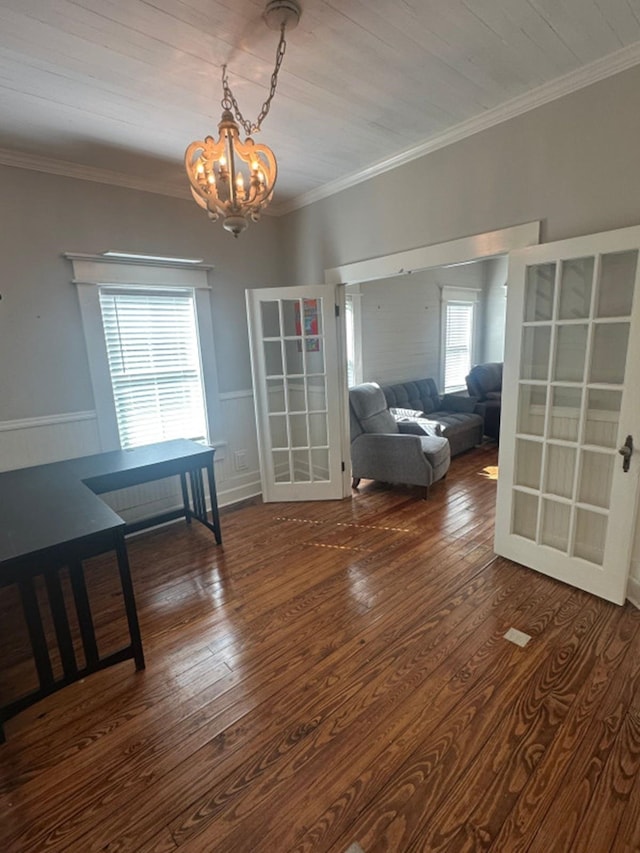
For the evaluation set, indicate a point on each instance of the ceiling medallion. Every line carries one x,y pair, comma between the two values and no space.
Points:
230,178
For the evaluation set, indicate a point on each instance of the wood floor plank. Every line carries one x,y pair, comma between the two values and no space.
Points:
614,788
571,801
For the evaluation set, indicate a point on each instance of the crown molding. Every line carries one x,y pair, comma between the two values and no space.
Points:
596,71
37,163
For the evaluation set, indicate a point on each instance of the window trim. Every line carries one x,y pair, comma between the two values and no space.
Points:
89,273
467,296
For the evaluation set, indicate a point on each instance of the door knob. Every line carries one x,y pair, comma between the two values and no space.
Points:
625,451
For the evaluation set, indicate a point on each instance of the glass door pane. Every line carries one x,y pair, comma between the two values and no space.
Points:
571,347
560,471
602,417
565,413
591,530
575,289
610,341
525,514
536,343
556,518
617,277
596,475
539,290
532,406
529,463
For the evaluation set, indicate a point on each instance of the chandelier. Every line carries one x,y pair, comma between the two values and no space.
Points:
230,178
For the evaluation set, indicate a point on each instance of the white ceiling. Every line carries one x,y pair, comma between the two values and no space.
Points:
116,89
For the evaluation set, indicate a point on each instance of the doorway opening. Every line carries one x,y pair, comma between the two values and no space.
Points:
427,264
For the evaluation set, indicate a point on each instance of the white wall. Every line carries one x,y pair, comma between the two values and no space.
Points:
495,308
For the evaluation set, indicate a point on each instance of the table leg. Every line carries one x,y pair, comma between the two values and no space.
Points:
197,492
36,632
215,515
61,624
129,600
185,497
83,609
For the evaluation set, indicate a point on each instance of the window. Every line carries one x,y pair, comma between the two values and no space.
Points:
458,338
154,363
149,336
353,337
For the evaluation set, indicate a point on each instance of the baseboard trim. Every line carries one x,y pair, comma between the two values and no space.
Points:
227,497
633,592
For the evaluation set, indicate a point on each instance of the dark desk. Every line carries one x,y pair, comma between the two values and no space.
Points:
51,518
118,469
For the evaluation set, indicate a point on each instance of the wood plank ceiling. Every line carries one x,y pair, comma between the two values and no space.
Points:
125,85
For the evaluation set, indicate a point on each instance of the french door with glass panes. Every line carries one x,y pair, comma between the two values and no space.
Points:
297,388
568,480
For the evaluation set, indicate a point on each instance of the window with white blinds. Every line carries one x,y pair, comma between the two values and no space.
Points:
154,361
353,329
458,343
350,336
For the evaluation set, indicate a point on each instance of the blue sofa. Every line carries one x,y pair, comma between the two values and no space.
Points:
453,414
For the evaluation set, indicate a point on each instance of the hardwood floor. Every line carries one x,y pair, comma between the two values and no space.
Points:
337,673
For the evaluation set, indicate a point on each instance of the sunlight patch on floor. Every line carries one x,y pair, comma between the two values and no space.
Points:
490,472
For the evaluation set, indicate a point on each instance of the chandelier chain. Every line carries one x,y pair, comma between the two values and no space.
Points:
229,101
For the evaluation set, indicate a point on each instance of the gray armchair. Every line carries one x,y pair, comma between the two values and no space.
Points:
382,449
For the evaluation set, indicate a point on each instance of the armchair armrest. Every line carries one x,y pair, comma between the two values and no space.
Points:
420,426
390,457
456,403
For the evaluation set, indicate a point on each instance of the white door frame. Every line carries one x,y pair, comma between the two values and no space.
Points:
464,250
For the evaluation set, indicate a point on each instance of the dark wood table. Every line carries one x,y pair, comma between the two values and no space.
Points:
51,519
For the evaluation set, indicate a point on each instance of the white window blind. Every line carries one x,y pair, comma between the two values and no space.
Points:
154,362
458,347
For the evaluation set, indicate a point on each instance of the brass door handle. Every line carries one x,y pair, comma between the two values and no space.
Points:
625,451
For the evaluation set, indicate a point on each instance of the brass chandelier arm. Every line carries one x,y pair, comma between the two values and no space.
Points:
229,101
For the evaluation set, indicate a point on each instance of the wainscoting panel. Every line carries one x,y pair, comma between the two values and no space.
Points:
36,441
238,473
